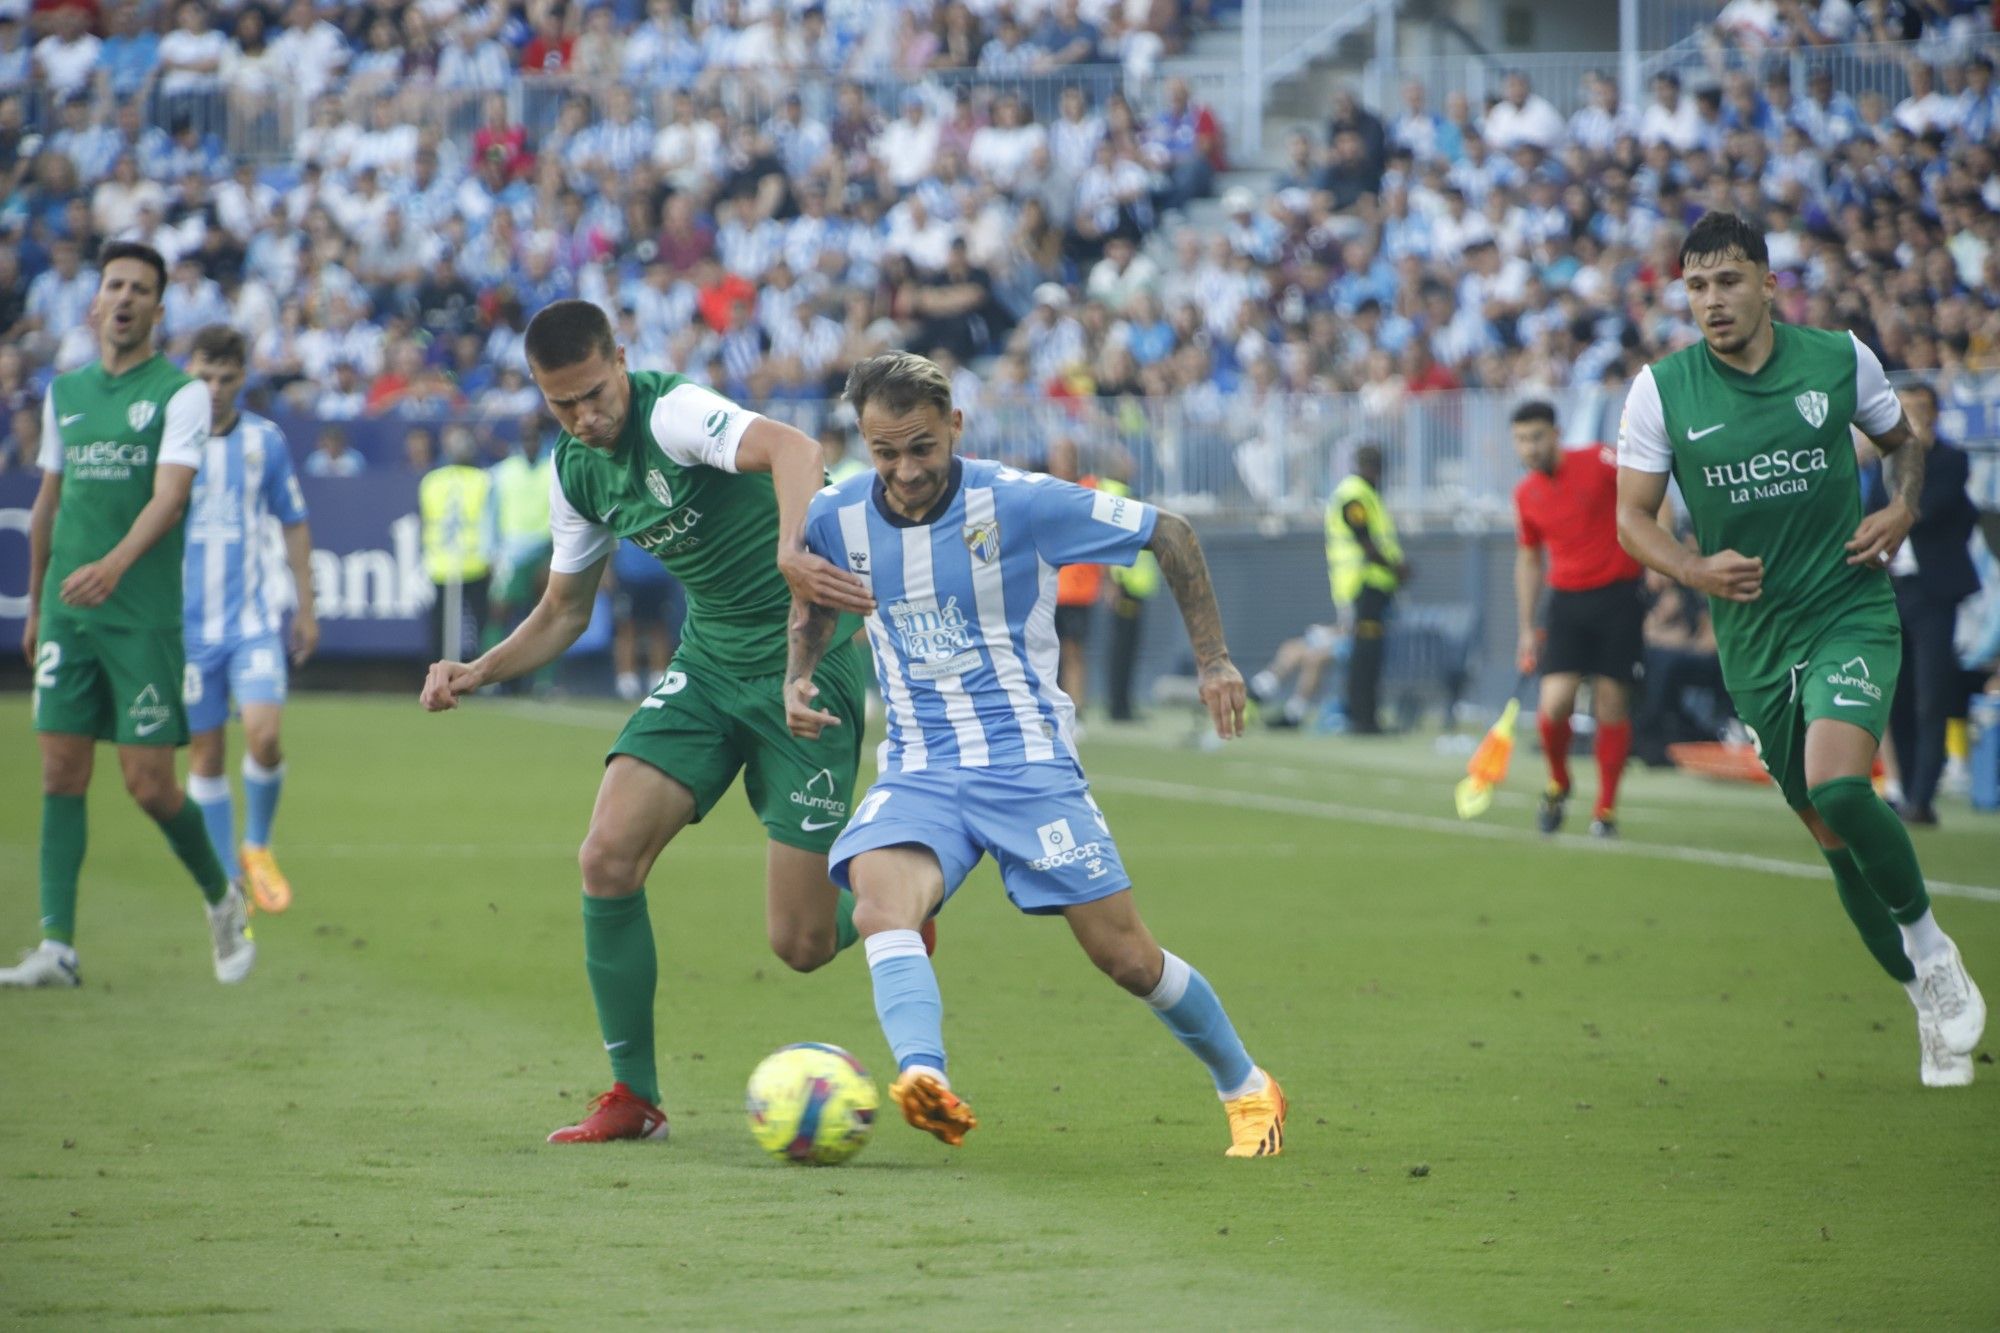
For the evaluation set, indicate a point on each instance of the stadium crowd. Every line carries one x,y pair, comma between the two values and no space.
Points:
762,194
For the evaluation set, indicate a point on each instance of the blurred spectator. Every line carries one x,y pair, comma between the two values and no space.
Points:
67,57
330,456
1302,661
1522,116
344,399
1347,114
1684,698
644,612
1933,573
1078,589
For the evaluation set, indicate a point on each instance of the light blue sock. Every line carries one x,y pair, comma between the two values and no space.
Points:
1187,1004
260,800
906,998
218,811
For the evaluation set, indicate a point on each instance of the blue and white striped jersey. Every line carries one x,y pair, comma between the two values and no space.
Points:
964,625
235,584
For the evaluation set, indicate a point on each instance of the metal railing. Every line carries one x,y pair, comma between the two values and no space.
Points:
267,128
1559,76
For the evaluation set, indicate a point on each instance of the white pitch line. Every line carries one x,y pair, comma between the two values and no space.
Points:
1289,805
572,715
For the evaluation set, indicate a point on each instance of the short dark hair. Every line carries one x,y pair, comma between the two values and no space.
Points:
564,333
219,342
1724,236
902,380
145,254
1924,387
1535,409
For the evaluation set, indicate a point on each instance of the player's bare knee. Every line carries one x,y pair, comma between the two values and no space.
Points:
1129,962
609,871
154,792
206,754
803,950
262,747
65,774
872,916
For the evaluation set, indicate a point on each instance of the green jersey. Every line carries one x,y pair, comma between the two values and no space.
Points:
106,434
671,486
1765,464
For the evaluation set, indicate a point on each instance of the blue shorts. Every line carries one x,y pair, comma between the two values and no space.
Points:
1037,821
250,671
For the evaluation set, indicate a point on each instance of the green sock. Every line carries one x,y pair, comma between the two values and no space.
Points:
187,834
624,972
1879,842
1870,917
844,932
64,824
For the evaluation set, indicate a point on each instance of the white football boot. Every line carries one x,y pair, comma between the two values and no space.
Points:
1941,1066
1946,994
229,928
47,964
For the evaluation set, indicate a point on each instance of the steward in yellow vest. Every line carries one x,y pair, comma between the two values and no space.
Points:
1365,562
521,483
454,502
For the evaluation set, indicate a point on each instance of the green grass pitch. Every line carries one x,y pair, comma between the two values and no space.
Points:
1533,1084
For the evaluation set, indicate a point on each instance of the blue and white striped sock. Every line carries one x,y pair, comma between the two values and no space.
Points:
906,999
218,811
1187,1004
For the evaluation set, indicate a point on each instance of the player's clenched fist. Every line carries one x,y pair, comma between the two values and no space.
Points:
1730,576
806,722
445,683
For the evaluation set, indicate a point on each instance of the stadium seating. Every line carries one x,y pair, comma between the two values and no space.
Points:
762,194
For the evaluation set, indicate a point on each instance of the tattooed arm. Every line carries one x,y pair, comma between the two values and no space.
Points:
1880,533
1186,572
810,635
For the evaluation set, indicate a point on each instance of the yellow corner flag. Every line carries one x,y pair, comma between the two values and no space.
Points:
1488,766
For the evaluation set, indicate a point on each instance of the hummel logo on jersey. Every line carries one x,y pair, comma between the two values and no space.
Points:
1694,434
1812,406
72,419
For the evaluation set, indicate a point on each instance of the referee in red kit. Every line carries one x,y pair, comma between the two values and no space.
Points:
1567,507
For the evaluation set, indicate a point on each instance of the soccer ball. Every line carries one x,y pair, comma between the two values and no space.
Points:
811,1103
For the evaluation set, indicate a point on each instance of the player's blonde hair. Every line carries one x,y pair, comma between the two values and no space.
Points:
902,381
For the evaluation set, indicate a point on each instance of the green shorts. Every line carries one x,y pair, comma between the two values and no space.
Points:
112,682
1849,677
701,725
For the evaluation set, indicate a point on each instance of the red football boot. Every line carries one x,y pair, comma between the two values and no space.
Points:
618,1114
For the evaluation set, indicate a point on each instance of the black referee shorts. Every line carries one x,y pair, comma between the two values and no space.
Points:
1597,632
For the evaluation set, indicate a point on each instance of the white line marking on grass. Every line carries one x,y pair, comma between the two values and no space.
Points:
1289,805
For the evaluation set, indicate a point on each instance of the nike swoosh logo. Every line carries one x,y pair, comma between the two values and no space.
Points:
609,512
1694,434
814,826
1846,702
149,728
71,419
614,1045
